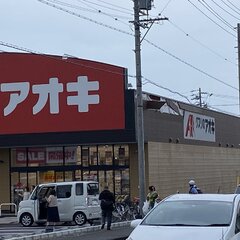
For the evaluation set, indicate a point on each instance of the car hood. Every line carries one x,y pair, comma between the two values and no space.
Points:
172,233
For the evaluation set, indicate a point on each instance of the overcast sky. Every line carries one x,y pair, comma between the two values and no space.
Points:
195,48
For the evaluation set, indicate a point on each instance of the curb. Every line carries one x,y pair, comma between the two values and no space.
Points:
75,232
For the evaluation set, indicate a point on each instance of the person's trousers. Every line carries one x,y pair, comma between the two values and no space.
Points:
107,216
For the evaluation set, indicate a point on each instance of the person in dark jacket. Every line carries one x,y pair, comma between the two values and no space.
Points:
107,205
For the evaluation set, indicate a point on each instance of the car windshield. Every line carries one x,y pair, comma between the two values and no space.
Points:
190,213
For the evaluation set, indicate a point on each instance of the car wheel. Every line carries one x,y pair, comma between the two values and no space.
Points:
79,218
26,219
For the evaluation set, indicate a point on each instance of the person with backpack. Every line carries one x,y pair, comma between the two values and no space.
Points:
107,206
192,187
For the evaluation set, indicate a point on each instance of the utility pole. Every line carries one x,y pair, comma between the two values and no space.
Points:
140,5
198,97
238,39
140,128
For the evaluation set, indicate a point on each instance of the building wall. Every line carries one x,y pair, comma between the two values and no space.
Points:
4,176
161,127
134,175
171,166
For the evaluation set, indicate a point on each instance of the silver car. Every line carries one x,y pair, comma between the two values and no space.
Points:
191,217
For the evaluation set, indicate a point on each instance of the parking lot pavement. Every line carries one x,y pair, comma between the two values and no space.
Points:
8,219
118,231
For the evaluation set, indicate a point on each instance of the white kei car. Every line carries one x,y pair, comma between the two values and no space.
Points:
191,217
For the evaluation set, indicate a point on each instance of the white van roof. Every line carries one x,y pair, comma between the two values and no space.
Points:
65,183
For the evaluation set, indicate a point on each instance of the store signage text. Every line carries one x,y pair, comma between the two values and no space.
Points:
46,155
50,91
199,127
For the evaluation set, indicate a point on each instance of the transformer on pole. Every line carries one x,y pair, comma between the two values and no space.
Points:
145,4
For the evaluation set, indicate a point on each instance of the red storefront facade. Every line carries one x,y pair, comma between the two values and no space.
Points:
64,119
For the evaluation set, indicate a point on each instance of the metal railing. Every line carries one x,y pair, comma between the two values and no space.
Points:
8,204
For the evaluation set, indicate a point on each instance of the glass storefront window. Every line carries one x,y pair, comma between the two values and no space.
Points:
93,155
93,176
105,155
43,165
47,176
121,155
54,156
86,175
109,175
59,177
32,180
78,175
125,181
36,157
68,176
19,157
105,178
122,185
102,179
85,156
16,188
79,156
72,155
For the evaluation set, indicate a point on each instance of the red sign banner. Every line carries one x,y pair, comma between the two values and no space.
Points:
40,93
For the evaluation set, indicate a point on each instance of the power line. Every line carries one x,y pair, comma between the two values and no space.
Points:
114,5
149,42
89,9
110,8
201,44
232,8
165,7
66,58
212,19
224,96
225,10
190,65
115,17
171,91
218,16
85,18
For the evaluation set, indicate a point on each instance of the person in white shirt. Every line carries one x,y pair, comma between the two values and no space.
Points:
26,193
52,210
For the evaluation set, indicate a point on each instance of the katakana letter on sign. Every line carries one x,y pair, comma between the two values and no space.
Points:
83,99
20,93
50,90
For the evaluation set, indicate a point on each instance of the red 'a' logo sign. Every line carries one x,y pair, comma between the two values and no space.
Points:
190,126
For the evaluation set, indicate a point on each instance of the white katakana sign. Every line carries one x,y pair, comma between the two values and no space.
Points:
51,91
